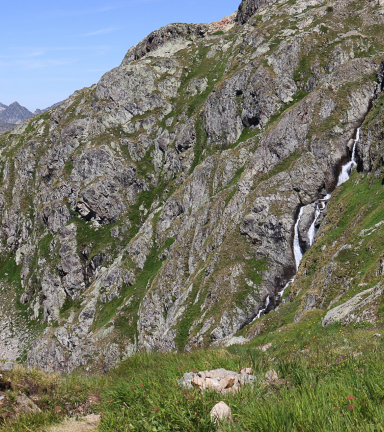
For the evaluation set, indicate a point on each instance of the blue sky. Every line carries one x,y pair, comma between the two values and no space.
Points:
49,49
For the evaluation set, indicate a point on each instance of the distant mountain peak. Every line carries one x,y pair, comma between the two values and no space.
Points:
40,111
14,113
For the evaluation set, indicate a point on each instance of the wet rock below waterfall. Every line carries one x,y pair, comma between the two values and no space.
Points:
221,380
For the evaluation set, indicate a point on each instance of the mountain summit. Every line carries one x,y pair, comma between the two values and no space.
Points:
192,197
14,113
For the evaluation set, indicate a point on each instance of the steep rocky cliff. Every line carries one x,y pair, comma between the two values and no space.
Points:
156,210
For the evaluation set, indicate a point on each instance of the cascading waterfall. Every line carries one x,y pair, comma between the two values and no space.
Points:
297,251
296,241
311,231
344,175
262,310
348,167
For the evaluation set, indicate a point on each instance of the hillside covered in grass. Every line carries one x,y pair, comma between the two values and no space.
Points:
328,380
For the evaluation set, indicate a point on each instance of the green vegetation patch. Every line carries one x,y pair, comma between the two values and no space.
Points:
126,319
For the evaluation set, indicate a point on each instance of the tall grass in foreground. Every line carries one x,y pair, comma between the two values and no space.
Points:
330,380
331,387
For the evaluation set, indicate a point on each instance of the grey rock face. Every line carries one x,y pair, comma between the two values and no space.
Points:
359,309
156,209
54,297
256,93
170,32
247,8
70,267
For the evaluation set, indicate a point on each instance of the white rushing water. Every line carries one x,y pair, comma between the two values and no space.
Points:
296,241
320,206
311,231
281,293
348,167
262,310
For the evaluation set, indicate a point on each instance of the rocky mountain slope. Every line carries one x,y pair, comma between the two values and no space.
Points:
15,114
157,209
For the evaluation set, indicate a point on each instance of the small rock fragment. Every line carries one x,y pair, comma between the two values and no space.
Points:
25,405
220,412
377,335
198,382
264,347
206,383
186,380
226,382
7,366
246,371
271,375
210,383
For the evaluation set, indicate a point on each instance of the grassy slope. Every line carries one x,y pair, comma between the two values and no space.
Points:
323,368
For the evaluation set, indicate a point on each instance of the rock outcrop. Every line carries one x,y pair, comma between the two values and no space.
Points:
248,8
220,380
361,308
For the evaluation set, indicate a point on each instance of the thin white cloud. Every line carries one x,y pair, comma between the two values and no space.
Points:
80,12
62,13
23,52
97,70
27,58
102,31
32,63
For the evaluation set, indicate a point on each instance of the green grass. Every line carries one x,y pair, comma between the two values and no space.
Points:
201,139
126,321
329,387
68,167
189,316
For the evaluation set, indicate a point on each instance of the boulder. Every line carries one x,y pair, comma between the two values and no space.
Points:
271,375
25,405
359,308
219,380
221,412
